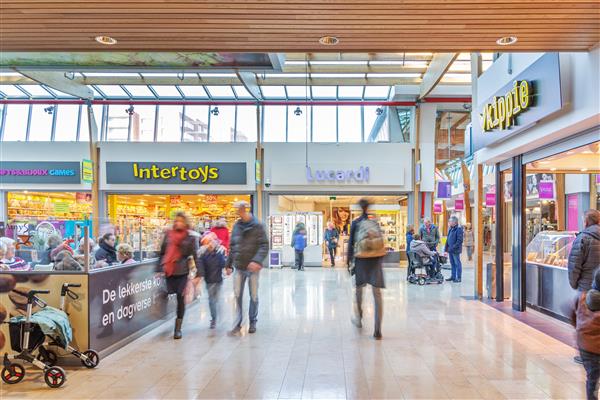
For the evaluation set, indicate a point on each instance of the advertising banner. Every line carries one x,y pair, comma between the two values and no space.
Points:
444,190
437,208
546,190
87,171
40,172
123,301
573,212
186,173
490,199
459,204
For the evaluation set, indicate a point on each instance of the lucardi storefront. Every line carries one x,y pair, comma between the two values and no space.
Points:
543,138
322,183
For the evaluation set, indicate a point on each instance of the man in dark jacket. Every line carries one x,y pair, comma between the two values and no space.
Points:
454,249
584,257
430,234
248,249
106,249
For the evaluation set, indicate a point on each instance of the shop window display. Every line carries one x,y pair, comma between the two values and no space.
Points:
551,248
49,205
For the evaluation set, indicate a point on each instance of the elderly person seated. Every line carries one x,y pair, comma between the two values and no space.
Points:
421,249
8,260
125,254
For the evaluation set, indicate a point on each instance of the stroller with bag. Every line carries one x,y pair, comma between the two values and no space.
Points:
89,358
433,270
27,334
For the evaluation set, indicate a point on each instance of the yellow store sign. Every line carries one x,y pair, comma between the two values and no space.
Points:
500,113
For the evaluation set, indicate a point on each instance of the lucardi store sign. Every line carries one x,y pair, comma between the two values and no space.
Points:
176,173
359,175
39,172
532,95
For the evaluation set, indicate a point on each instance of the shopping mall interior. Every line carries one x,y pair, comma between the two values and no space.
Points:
157,155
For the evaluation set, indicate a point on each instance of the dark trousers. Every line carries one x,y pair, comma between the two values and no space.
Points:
591,363
332,255
299,259
176,284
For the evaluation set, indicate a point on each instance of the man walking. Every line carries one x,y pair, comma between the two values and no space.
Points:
430,234
584,257
248,249
454,249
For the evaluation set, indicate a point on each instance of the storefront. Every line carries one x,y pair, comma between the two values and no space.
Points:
140,196
322,183
541,132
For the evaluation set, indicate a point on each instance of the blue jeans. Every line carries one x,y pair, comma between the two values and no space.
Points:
591,363
214,292
239,281
456,266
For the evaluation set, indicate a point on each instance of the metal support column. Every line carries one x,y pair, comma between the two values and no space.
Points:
518,242
499,261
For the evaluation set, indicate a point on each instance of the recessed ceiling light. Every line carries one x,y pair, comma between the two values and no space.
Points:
507,40
583,169
552,169
107,40
329,40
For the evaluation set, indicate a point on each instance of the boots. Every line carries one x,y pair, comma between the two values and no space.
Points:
178,334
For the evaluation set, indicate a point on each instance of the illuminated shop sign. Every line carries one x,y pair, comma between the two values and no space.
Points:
16,172
175,173
501,111
359,175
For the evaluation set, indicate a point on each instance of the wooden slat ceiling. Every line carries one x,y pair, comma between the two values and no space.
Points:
295,26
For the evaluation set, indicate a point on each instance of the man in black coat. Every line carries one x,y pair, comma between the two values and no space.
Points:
584,257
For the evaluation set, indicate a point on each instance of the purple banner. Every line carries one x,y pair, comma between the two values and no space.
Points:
490,199
444,190
546,190
459,204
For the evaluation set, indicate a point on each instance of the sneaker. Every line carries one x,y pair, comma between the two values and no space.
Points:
213,324
457,281
357,322
252,328
235,331
377,336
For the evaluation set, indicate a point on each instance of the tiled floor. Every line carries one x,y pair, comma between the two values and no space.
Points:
436,345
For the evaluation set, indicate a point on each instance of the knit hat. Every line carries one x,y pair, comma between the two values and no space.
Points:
596,281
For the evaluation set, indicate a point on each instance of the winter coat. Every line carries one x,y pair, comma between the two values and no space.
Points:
409,239
366,270
64,261
331,237
584,258
468,238
248,244
222,234
189,248
454,241
107,253
431,237
299,241
210,266
421,249
585,316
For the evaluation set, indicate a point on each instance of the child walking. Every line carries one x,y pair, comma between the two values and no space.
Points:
210,267
299,244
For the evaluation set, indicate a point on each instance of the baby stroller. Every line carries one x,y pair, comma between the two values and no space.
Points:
89,358
25,338
433,273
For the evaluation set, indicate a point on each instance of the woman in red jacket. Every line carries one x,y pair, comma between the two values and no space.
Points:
220,229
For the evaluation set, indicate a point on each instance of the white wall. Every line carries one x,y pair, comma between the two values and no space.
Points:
580,83
390,166
179,152
44,151
577,183
427,117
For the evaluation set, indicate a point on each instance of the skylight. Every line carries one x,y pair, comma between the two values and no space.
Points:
350,92
273,92
166,91
377,92
220,91
297,92
11,91
139,91
112,90
241,92
324,92
36,90
191,91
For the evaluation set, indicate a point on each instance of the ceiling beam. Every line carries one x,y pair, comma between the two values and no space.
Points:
249,81
57,80
437,68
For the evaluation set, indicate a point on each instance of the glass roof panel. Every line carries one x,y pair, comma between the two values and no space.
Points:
377,92
166,91
193,91
36,90
395,75
297,92
241,92
60,94
220,91
112,90
341,75
218,75
338,62
407,63
139,91
11,91
112,74
273,92
350,92
324,92
460,66
97,94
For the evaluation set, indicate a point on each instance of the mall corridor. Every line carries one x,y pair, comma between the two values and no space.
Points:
438,344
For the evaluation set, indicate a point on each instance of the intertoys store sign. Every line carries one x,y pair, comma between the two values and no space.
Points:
17,172
176,173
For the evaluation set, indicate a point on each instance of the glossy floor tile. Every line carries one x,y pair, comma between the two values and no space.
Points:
437,344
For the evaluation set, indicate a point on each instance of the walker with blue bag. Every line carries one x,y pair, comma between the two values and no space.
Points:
28,333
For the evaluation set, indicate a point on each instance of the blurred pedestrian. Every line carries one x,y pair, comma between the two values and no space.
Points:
210,267
177,247
331,237
249,247
220,229
469,240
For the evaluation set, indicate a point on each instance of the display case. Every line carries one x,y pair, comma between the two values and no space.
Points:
550,248
281,228
392,226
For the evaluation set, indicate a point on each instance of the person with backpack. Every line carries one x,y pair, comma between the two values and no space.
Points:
211,263
366,250
299,244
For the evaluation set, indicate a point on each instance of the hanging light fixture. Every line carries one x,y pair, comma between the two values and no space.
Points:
298,111
379,111
130,110
49,110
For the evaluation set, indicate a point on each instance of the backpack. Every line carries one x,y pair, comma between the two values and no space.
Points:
369,241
